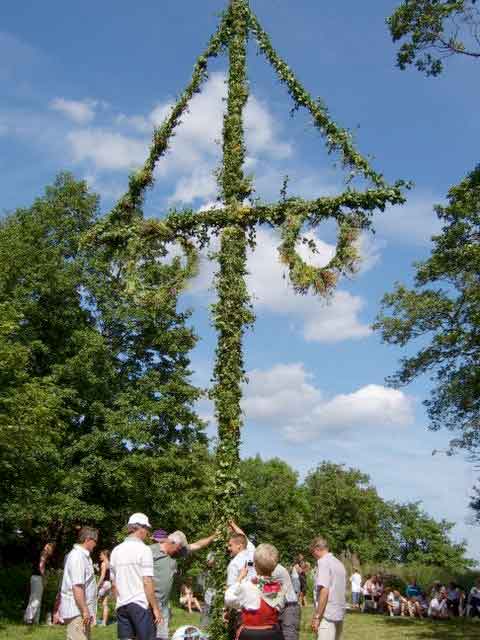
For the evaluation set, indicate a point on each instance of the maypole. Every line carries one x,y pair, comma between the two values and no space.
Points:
129,237
231,313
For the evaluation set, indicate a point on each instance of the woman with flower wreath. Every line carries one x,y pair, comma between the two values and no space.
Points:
259,599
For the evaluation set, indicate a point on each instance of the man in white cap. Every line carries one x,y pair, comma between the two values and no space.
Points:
165,550
131,570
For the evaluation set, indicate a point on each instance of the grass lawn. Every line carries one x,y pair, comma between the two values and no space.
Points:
357,627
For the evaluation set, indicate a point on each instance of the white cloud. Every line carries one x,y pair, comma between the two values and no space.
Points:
106,150
80,111
328,321
336,319
200,184
279,392
285,397
412,223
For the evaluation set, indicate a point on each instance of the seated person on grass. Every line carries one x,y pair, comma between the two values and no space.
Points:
187,597
414,608
396,604
438,609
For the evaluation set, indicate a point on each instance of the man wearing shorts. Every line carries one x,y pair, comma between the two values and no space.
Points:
131,571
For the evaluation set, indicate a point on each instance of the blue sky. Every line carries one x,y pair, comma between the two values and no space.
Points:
83,89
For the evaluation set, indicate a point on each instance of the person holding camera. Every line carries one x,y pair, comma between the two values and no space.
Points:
241,551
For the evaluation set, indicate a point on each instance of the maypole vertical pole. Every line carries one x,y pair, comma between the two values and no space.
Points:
232,312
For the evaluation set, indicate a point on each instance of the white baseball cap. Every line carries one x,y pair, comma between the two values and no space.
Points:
141,519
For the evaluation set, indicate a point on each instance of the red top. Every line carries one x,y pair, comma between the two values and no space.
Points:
265,616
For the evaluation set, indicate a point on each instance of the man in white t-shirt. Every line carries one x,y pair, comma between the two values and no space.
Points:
131,570
331,586
78,604
356,587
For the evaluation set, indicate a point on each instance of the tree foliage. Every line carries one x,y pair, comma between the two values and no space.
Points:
441,314
341,504
95,399
434,30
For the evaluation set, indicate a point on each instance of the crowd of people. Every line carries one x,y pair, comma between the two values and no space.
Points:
262,598
439,601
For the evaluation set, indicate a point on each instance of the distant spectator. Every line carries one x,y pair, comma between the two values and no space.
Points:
304,569
438,607
104,584
423,602
378,592
187,597
368,591
437,590
413,590
356,587
414,608
396,604
295,579
39,566
78,600
453,599
473,602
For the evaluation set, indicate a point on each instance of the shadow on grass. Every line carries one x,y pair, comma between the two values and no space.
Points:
437,629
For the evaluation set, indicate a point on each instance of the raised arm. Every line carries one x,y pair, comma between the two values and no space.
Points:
235,528
201,544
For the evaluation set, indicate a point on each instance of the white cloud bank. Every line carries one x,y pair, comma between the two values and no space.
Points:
79,111
286,397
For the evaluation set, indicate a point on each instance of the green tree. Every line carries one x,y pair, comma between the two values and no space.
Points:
347,510
441,316
421,539
435,30
96,390
273,507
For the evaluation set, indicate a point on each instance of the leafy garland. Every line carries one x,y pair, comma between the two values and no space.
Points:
130,238
232,313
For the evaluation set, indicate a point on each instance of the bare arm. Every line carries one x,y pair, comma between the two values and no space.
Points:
81,602
320,610
152,600
202,543
42,565
322,602
103,572
235,528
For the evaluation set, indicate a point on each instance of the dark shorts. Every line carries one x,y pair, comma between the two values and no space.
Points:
133,621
